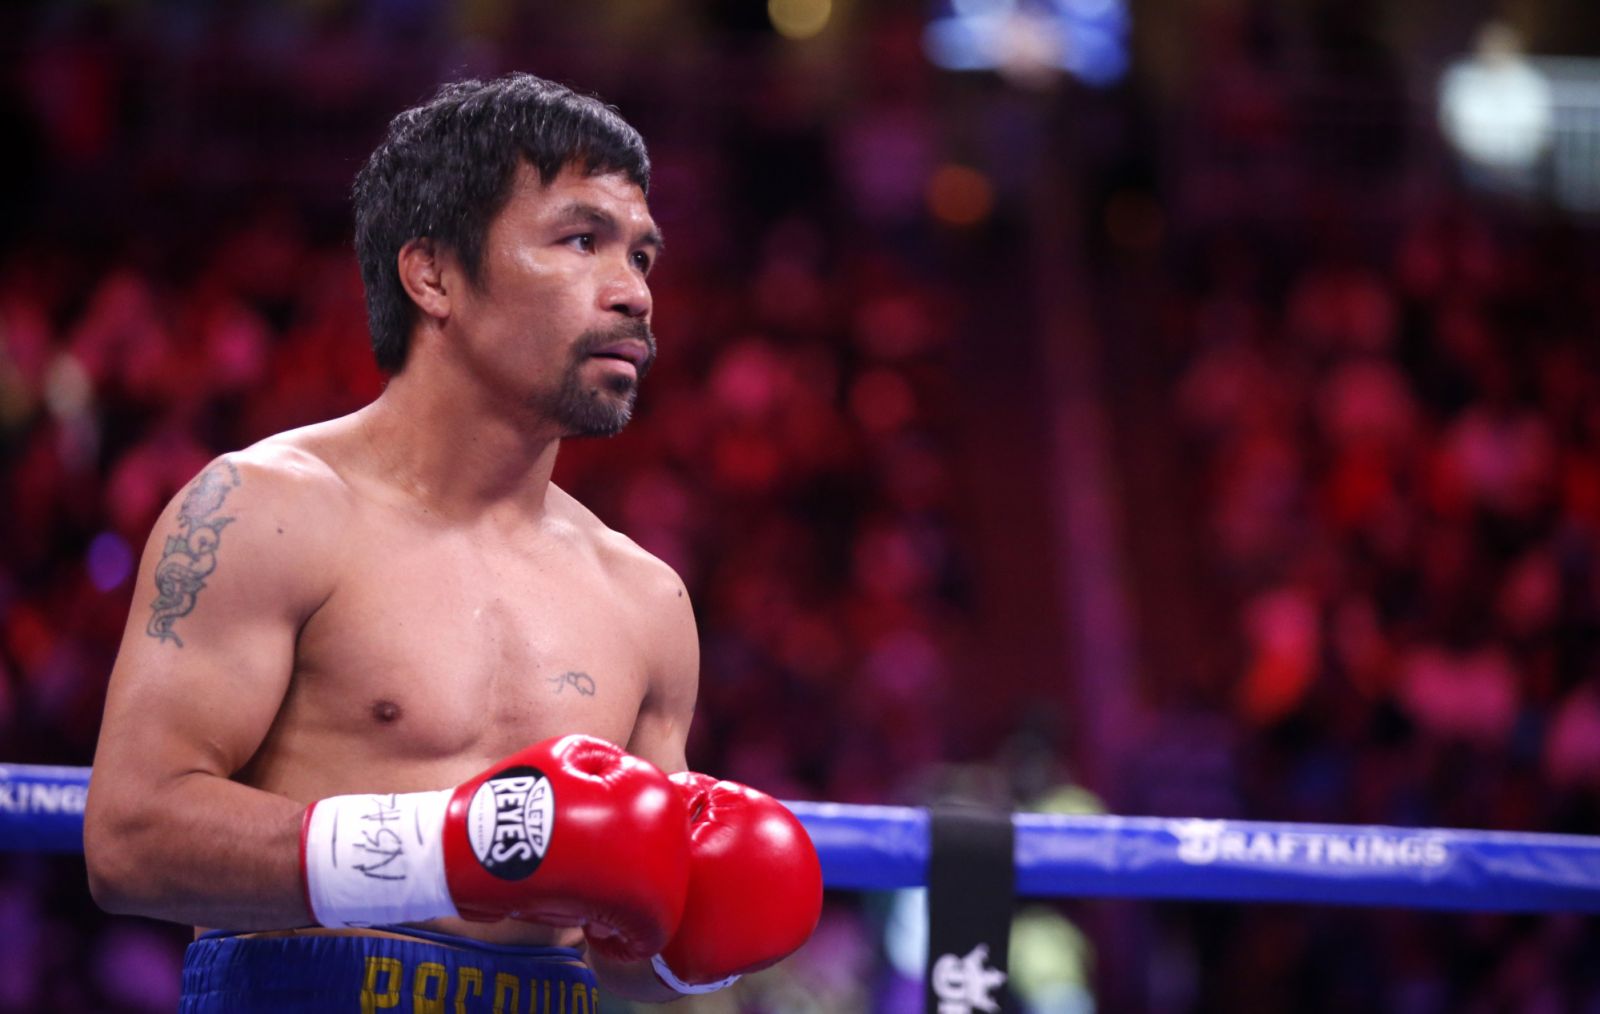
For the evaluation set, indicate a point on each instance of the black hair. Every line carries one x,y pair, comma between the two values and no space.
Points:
446,168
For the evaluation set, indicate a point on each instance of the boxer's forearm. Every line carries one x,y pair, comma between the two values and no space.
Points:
197,849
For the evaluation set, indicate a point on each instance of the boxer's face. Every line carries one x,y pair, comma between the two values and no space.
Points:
561,311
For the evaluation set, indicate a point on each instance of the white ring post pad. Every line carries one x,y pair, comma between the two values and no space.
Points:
374,860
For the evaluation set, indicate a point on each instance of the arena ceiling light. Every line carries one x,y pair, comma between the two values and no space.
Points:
1032,40
1524,125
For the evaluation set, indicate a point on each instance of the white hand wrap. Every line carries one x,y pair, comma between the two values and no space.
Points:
373,860
673,982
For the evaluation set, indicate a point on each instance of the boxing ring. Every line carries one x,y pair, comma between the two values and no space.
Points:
874,848
975,864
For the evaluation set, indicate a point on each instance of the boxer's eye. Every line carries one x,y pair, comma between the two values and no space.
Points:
583,241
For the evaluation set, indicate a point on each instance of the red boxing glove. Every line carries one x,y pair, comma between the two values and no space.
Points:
755,886
571,832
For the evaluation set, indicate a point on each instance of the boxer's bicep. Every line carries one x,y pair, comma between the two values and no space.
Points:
661,731
209,645
202,671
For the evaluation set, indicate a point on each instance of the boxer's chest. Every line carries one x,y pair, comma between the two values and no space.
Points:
444,649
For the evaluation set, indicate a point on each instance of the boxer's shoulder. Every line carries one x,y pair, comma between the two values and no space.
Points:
641,573
284,491
278,471
310,464
268,517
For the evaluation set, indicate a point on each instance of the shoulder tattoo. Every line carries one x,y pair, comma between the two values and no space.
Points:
191,555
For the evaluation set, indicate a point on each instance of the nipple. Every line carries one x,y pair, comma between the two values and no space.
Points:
386,711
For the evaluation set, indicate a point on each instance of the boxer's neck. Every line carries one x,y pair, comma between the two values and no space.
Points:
455,450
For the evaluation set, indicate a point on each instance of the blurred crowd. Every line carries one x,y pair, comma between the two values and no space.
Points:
1398,489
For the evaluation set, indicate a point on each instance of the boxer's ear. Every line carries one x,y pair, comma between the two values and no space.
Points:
422,276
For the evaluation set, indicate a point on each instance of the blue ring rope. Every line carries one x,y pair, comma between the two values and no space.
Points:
886,847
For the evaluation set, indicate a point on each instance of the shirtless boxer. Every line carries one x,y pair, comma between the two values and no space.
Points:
339,624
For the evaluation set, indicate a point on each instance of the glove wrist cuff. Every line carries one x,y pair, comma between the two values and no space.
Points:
674,983
373,860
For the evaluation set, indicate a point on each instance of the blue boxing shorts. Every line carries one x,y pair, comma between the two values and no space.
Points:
423,973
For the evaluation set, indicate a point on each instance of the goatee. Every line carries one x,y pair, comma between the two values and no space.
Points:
586,409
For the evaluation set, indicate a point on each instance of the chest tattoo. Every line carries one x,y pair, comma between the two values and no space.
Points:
582,682
191,555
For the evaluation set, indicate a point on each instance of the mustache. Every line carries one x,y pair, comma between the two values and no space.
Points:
595,339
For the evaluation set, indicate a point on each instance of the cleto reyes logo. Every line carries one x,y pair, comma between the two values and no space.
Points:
509,822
